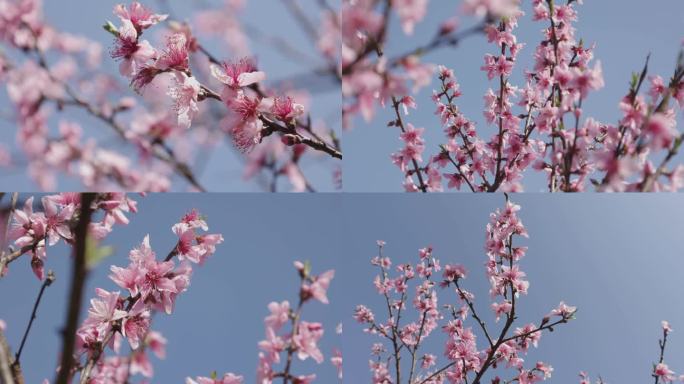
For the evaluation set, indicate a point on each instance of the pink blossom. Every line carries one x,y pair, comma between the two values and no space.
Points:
104,311
336,360
285,109
319,287
588,80
410,12
156,343
495,8
662,130
138,15
184,93
26,226
57,225
132,53
563,310
280,315
228,378
246,129
663,372
136,324
237,74
306,340
175,56
363,314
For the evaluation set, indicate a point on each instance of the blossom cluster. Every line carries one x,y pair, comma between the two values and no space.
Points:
303,336
150,285
466,360
33,231
47,71
539,126
280,346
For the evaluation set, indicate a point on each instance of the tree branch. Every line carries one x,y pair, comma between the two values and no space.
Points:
77,284
46,283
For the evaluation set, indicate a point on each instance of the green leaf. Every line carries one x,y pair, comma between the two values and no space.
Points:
307,268
94,253
633,81
111,28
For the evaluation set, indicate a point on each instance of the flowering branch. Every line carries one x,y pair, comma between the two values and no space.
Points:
635,155
301,341
466,363
160,134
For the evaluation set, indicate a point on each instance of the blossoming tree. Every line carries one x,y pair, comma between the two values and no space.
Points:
476,347
535,126
116,340
412,318
188,101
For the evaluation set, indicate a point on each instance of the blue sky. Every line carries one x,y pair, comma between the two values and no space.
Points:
624,32
219,320
219,169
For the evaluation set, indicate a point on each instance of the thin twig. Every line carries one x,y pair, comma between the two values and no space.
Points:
46,283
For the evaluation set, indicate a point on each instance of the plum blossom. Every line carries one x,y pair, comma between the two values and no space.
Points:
306,341
228,378
152,285
467,354
133,54
319,287
238,74
185,92
138,15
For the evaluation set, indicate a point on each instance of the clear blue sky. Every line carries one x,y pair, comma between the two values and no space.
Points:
219,320
220,168
625,32
618,258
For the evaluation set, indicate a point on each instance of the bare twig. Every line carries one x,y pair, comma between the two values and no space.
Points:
46,283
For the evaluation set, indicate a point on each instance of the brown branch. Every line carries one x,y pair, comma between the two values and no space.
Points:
10,257
9,373
290,129
77,285
46,283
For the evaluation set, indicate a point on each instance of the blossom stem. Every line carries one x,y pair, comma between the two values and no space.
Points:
661,343
85,375
10,257
400,123
272,126
498,175
475,315
291,348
